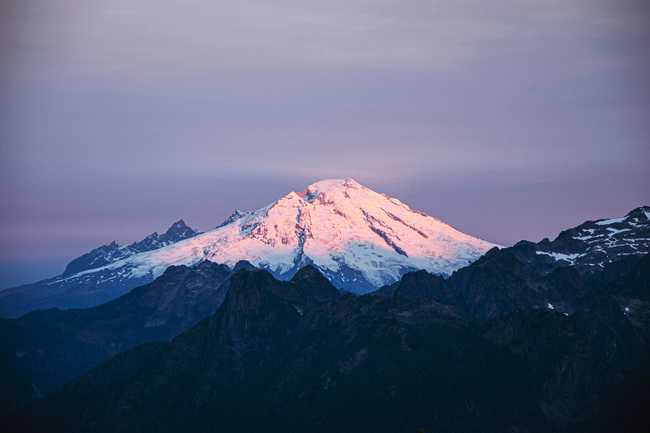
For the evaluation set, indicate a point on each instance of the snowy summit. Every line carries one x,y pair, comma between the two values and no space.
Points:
358,238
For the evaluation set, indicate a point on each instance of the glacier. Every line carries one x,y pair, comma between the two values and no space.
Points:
360,239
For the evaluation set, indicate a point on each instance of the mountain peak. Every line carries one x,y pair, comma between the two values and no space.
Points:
179,228
357,238
639,212
248,288
243,265
328,185
178,231
237,214
97,257
178,225
309,274
594,244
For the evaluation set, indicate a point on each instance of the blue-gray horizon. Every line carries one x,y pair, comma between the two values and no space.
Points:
509,120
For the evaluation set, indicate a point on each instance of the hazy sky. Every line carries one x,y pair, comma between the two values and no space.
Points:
509,119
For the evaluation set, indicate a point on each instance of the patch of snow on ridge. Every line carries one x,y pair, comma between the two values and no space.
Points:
560,256
335,224
613,231
610,221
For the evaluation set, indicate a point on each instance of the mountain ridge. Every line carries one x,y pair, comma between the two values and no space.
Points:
414,358
358,238
548,313
111,252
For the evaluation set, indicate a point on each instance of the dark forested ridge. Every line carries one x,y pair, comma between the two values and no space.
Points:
548,336
508,343
44,349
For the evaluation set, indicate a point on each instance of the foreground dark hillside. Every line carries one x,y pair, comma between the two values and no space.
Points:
43,350
507,344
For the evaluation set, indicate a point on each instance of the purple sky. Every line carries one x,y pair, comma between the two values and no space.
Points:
508,119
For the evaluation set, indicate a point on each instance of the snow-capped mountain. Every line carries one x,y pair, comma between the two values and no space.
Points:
593,244
358,238
237,214
113,252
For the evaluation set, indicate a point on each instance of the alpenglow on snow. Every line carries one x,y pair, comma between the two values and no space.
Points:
358,238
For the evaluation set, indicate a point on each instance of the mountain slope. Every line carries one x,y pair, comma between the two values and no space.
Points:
268,361
584,335
359,239
565,345
113,252
549,274
49,347
593,244
63,292
298,356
